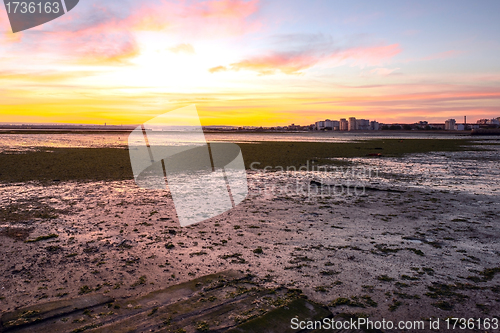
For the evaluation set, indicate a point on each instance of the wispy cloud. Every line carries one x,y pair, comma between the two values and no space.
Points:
302,52
288,63
217,69
383,71
41,76
8,37
106,32
107,48
182,48
419,99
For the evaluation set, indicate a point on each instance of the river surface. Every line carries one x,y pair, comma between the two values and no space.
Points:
27,142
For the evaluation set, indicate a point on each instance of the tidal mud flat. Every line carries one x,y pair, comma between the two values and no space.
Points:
424,244
101,161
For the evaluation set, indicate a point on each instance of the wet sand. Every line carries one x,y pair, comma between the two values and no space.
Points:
50,164
419,252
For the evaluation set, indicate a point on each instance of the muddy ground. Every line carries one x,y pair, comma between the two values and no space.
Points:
409,255
396,251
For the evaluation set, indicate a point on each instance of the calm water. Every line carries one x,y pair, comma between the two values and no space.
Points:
471,171
27,142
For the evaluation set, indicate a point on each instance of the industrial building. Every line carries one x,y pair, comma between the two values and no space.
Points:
449,124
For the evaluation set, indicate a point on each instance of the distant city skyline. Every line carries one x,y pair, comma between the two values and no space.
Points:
343,124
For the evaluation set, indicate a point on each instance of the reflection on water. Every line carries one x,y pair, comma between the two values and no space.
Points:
475,172
471,171
27,142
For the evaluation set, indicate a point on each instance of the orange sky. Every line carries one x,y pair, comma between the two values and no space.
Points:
250,63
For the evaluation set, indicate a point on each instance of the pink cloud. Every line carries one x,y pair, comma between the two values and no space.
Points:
106,32
368,56
4,21
398,102
292,63
212,18
108,48
424,99
225,8
9,37
286,63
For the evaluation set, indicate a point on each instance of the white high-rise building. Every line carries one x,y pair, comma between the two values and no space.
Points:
335,125
362,124
320,125
328,124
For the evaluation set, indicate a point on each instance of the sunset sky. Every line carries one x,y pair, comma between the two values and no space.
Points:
254,62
